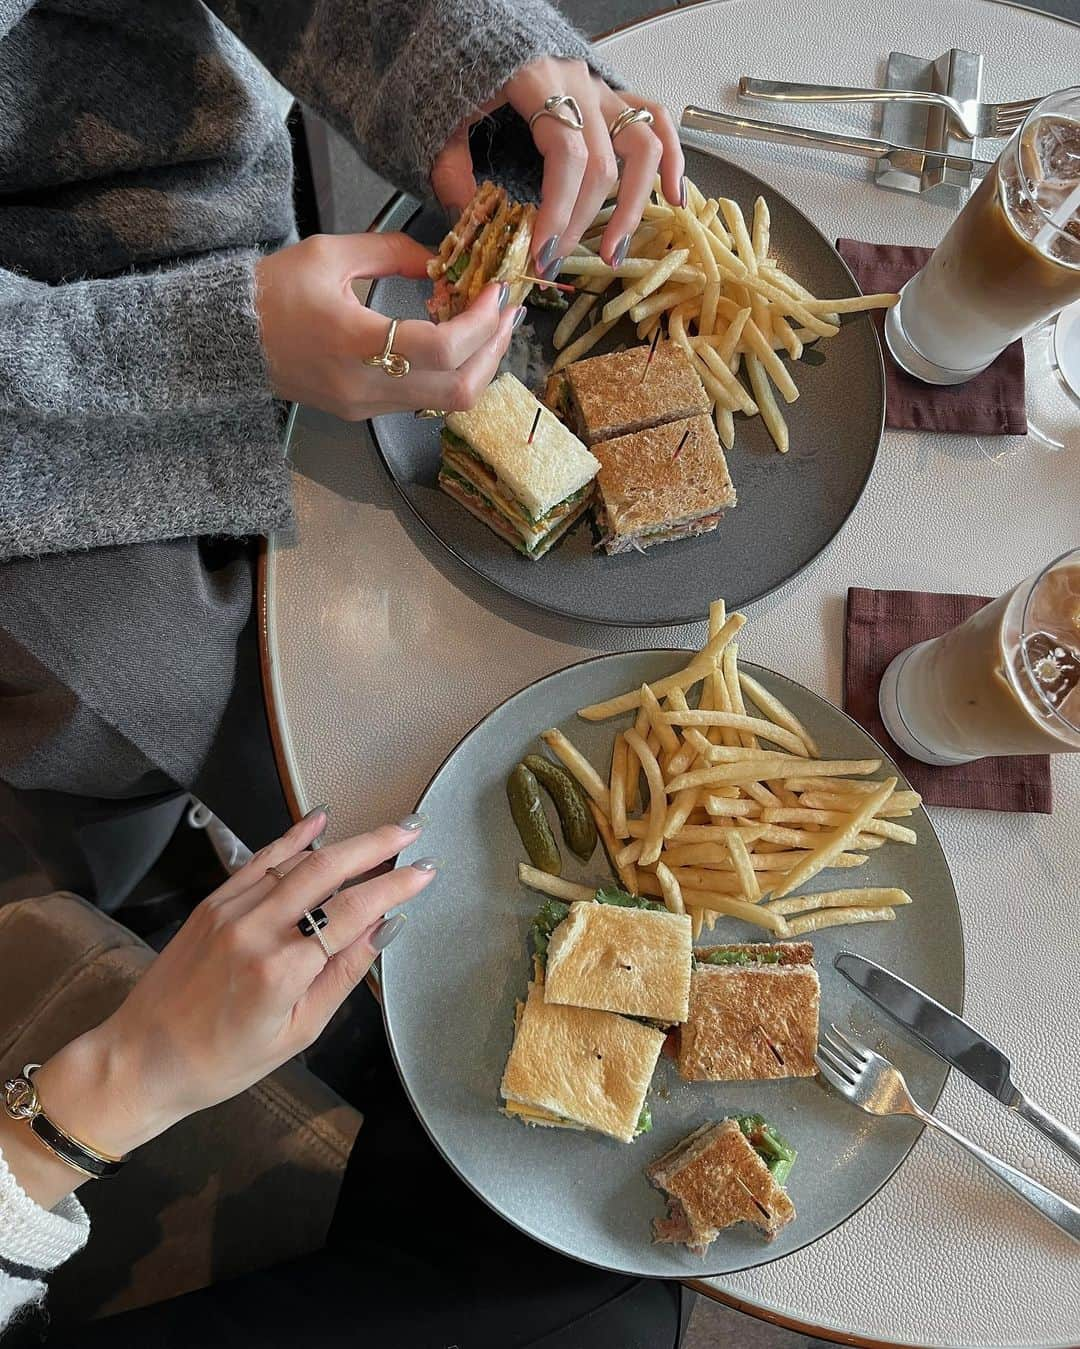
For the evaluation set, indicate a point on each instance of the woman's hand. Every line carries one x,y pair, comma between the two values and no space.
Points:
580,167
236,992
316,333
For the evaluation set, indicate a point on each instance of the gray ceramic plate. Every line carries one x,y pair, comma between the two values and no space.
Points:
790,506
451,979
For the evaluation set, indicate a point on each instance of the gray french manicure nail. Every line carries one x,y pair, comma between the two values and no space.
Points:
684,192
316,842
387,930
413,822
619,252
547,253
425,864
504,294
519,314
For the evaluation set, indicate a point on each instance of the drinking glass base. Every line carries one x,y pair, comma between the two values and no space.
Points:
897,727
908,356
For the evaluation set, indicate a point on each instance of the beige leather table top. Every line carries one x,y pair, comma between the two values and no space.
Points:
383,651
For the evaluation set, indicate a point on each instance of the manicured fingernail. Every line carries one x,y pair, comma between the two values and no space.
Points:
414,822
551,271
387,930
504,294
519,314
619,252
684,192
324,811
546,253
425,864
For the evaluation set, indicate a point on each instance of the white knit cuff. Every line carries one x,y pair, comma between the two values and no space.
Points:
34,1237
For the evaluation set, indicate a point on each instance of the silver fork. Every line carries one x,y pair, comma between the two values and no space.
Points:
971,117
874,1085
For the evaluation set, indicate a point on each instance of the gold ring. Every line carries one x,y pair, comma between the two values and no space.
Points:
630,117
426,414
564,108
395,365
276,871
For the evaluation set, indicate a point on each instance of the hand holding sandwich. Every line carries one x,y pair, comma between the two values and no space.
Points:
316,333
580,166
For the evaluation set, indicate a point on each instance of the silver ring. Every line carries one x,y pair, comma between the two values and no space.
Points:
630,117
315,930
564,108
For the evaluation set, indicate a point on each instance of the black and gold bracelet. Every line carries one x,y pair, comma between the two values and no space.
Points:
21,1101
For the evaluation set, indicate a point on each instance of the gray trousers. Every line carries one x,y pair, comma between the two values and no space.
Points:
128,678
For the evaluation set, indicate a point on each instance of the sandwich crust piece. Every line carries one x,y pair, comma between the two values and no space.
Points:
711,1180
585,1067
752,1021
633,961
605,396
653,491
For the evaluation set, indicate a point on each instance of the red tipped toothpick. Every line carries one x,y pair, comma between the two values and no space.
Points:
536,422
753,1197
555,285
652,353
679,447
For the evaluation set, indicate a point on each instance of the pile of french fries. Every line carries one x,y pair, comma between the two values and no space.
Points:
739,810
710,280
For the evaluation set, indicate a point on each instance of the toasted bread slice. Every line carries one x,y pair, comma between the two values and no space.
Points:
714,1179
752,1021
605,396
651,490
633,961
581,1066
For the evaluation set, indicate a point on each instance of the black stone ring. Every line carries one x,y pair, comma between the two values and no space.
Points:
311,923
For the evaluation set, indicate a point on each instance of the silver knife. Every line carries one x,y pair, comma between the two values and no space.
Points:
953,1040
727,124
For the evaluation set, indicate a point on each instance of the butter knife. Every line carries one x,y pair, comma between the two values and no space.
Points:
953,1040
750,128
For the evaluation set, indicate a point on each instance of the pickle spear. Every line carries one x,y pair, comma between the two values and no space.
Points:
527,808
578,826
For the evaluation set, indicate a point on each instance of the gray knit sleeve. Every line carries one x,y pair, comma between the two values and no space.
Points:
397,78
184,339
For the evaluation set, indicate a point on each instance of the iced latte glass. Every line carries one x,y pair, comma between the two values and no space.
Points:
1006,681
1010,261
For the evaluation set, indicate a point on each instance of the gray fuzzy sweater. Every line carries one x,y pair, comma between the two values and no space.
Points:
144,167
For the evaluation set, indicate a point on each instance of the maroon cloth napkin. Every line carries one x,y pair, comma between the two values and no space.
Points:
879,625
990,404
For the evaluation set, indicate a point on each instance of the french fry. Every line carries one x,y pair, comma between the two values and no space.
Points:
635,268
684,757
627,856
646,284
742,865
697,919
738,908
658,720
814,922
767,405
868,897
585,343
627,873
761,230
776,711
853,304
769,765
673,896
553,885
617,787
900,803
784,335
658,801
801,815
766,730
679,812
691,674
661,300
721,372
725,425
575,315
576,764
836,841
